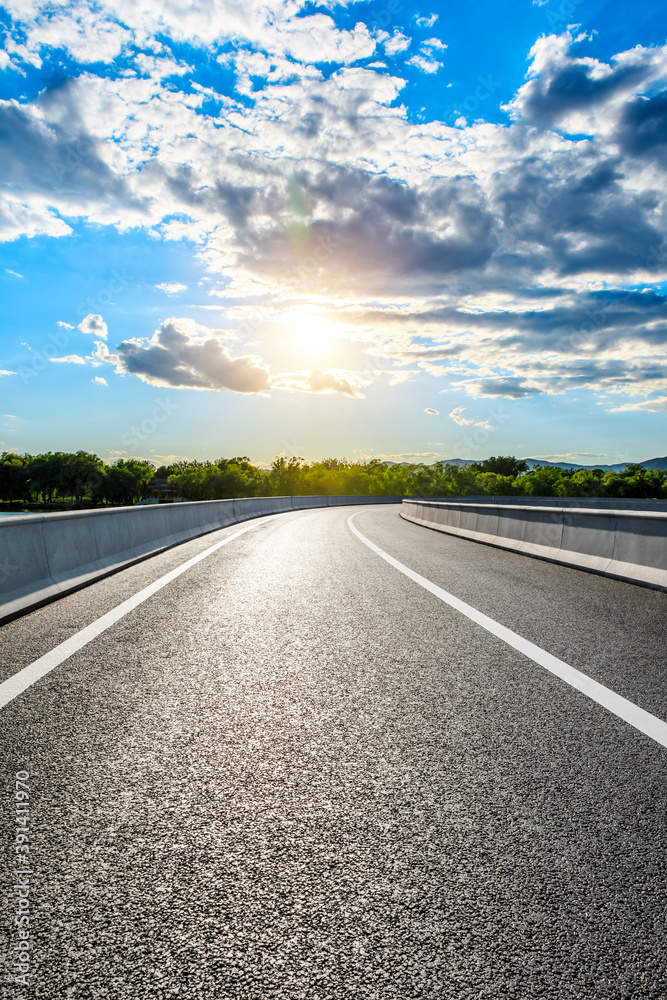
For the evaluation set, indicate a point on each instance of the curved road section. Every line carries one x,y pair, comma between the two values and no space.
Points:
330,756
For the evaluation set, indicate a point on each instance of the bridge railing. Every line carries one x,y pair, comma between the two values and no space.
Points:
627,544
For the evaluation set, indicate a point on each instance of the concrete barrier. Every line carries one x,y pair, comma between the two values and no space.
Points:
597,503
627,545
43,557
302,503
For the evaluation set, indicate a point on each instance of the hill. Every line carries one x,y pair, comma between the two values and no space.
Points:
650,463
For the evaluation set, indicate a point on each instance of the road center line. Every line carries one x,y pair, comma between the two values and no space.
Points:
646,723
25,678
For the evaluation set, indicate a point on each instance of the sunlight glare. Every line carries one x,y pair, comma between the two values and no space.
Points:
313,334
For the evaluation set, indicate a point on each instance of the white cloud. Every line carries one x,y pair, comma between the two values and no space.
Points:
98,380
22,54
433,43
64,325
424,64
94,324
397,43
346,383
457,416
4,371
426,22
159,68
68,359
99,33
319,381
101,354
14,273
171,287
435,413
658,405
18,218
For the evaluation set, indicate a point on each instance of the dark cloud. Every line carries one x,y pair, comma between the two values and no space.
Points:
590,321
573,214
642,128
567,84
311,124
58,160
513,388
371,233
597,374
174,357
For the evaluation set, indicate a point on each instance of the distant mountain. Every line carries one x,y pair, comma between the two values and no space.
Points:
540,463
650,463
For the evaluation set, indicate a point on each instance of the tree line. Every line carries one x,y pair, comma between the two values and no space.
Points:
83,479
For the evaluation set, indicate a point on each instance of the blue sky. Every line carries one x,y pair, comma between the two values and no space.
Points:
352,229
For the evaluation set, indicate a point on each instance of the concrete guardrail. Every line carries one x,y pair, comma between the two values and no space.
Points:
599,503
45,556
626,544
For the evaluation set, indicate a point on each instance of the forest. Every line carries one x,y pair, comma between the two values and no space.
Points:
59,480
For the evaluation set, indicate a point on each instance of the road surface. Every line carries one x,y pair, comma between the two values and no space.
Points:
292,771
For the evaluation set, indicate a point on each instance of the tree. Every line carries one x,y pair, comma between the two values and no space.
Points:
80,475
46,475
14,476
286,477
544,482
125,482
586,483
502,465
495,485
193,481
634,481
236,477
462,480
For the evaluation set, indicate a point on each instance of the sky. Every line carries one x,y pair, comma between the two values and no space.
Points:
413,231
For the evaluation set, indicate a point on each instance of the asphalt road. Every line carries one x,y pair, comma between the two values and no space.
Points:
295,773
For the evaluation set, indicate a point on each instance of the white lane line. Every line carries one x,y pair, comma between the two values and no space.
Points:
25,678
646,723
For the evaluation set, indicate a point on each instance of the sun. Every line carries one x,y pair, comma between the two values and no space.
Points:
313,334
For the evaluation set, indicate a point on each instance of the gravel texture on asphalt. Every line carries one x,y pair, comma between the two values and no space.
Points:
293,773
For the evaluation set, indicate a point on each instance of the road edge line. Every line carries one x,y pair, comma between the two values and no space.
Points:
639,718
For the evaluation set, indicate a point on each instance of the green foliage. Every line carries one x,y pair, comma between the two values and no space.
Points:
14,476
502,465
79,478
125,482
83,478
226,478
286,477
79,474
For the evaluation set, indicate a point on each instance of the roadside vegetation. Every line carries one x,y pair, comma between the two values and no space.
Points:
81,479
